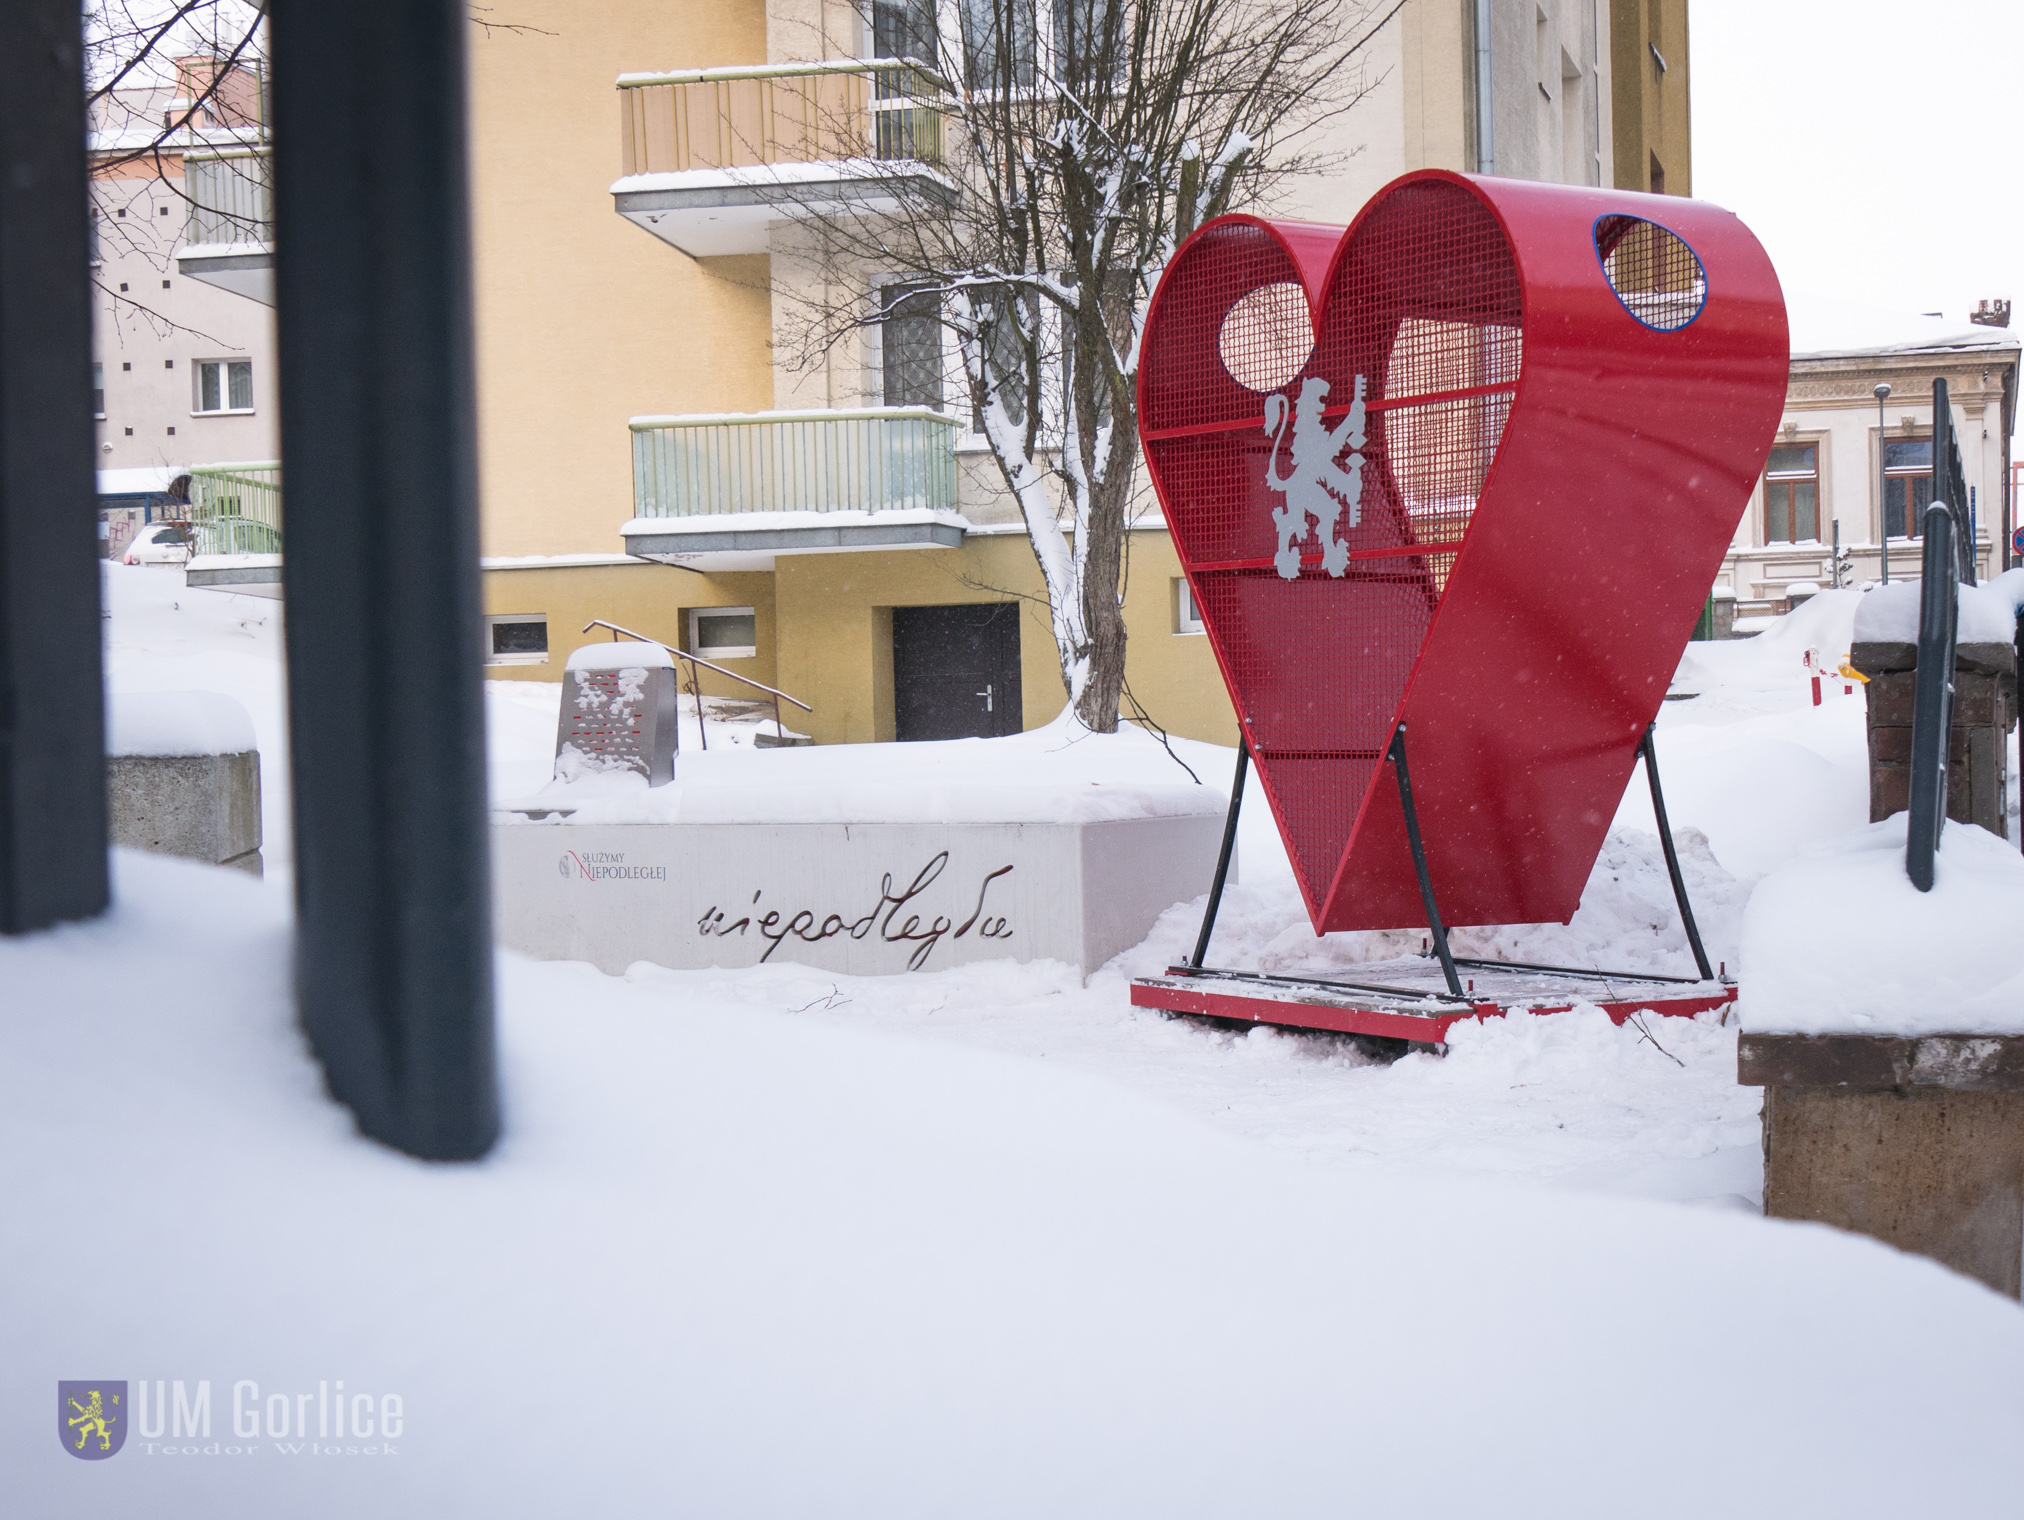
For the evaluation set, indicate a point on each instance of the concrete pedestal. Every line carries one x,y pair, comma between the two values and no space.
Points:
864,899
1916,1142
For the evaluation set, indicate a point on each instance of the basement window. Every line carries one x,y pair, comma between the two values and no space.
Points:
723,633
516,638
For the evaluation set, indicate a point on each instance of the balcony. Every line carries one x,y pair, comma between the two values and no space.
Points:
235,513
713,157
230,241
730,492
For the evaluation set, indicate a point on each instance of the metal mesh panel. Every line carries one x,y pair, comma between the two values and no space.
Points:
1318,488
1658,277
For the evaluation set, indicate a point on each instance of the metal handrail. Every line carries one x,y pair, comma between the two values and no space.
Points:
695,686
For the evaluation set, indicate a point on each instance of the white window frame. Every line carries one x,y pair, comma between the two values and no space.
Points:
197,369
730,652
493,620
1187,616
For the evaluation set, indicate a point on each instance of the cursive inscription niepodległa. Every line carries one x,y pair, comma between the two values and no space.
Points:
883,920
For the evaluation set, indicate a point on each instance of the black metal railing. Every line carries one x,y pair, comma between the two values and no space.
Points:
1950,482
1933,694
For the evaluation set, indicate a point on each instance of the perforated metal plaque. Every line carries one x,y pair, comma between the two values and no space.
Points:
617,720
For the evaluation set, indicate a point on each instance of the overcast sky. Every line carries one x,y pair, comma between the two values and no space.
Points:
1868,146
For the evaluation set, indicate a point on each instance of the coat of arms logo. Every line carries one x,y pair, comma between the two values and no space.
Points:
1316,487
91,1418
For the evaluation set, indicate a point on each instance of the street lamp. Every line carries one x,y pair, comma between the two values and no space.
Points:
1882,394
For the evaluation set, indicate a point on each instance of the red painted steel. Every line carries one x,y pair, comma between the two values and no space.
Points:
1344,1017
1567,396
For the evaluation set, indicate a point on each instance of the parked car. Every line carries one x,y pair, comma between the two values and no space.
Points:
159,544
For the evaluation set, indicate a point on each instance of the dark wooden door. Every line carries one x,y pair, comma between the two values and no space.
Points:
956,671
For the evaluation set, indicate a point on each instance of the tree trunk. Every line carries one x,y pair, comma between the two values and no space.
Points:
1103,620
1102,576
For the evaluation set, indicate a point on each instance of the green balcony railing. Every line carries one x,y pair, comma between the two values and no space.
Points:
875,459
797,113
231,196
236,508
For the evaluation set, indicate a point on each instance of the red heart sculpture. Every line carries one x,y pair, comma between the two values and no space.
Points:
1471,466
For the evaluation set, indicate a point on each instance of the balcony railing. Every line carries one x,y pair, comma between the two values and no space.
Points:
231,196
800,113
236,508
878,459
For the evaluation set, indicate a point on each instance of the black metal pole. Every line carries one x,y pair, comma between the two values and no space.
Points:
1439,930
1882,393
373,285
1649,747
1932,698
52,702
1223,855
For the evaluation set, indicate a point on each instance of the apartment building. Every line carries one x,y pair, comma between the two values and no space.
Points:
183,369
637,373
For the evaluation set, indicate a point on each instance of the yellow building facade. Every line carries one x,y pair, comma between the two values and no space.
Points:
653,456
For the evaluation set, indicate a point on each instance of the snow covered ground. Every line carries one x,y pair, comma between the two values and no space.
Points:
981,1241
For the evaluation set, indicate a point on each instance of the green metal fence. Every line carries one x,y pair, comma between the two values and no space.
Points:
876,459
236,508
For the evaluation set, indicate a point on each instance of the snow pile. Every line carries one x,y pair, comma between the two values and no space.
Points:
1841,942
176,723
625,654
1061,773
1628,921
1988,614
944,1280
161,636
1824,621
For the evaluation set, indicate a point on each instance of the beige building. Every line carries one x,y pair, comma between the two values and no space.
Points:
183,370
636,262
654,454
1846,467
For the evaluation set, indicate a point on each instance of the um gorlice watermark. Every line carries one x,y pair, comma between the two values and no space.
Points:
173,1419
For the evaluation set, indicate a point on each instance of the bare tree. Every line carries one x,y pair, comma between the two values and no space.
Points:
166,76
1076,143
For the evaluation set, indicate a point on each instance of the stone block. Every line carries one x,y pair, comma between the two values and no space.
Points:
1936,1172
1985,709
200,807
1917,1141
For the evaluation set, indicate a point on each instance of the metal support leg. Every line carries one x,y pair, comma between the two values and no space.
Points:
386,711
52,700
1223,857
1649,750
1440,932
